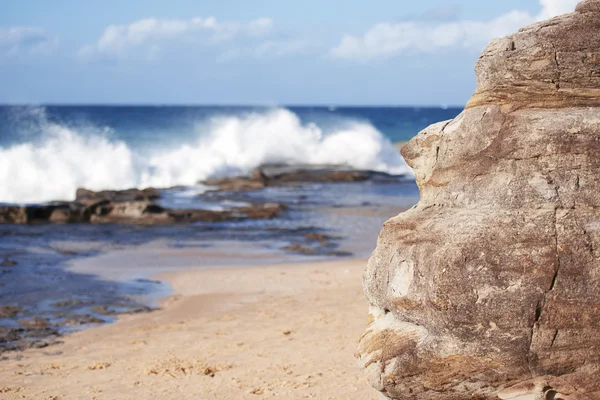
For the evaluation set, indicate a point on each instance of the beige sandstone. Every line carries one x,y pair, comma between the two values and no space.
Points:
490,287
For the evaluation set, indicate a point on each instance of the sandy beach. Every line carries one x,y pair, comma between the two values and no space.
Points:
281,331
219,201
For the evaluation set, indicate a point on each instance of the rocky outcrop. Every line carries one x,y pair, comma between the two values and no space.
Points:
284,175
552,64
131,206
490,287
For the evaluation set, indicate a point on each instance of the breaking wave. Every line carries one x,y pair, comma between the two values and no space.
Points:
64,158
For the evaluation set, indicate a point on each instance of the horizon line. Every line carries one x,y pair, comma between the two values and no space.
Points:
234,105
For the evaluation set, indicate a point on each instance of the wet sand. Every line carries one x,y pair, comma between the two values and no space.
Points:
281,331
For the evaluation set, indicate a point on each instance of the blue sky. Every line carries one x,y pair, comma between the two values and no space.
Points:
382,52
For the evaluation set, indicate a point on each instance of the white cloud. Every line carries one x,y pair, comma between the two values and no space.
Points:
388,39
32,40
151,33
267,49
552,8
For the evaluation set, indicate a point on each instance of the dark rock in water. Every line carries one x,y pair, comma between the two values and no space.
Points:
78,320
13,215
39,344
316,244
36,323
66,252
265,211
71,303
63,213
39,213
9,263
256,211
25,214
489,288
259,176
318,237
236,184
117,309
88,204
285,174
198,216
9,311
35,335
9,335
323,249
127,207
281,175
296,248
31,214
130,212
339,253
148,213
149,281
87,197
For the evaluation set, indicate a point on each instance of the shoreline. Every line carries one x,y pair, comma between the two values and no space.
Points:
225,333
105,271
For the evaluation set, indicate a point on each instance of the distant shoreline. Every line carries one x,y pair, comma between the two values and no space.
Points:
225,105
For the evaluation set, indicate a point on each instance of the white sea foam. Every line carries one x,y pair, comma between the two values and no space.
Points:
64,158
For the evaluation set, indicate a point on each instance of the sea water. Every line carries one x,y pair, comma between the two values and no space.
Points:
46,153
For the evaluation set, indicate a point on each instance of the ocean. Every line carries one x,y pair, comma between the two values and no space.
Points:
79,275
46,153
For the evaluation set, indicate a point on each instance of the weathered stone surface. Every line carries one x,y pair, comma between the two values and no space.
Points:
9,311
282,175
141,212
87,197
551,64
25,214
490,287
127,207
12,215
236,184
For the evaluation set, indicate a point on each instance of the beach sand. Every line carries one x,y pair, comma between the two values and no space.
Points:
282,331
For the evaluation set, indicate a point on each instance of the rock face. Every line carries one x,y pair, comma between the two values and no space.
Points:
284,175
490,287
131,206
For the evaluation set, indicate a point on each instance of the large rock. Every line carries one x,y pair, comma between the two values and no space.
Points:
552,64
36,213
87,197
131,206
285,175
490,287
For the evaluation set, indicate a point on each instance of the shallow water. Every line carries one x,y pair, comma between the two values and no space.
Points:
78,275
88,266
